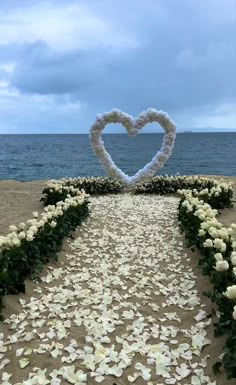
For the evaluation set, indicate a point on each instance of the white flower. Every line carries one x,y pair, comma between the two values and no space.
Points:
234,313
201,233
33,229
221,266
233,258
29,236
213,232
218,243
218,257
53,224
231,292
204,225
223,233
35,214
223,247
13,228
14,242
208,243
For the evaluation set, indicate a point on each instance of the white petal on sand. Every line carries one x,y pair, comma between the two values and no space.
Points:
122,304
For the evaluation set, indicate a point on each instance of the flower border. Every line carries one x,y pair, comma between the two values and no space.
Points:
30,245
217,246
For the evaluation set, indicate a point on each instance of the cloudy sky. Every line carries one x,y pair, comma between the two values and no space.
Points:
63,61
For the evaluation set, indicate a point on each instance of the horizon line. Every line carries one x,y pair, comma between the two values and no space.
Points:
119,133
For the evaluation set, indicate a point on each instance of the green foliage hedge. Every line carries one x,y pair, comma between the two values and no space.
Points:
216,245
27,257
57,190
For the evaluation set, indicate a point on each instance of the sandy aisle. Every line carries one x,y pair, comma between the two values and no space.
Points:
129,292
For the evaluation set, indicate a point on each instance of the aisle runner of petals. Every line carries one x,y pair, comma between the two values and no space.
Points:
117,310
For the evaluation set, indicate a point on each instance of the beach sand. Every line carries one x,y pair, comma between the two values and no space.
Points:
19,199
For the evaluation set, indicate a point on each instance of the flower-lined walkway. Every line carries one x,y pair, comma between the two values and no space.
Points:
120,307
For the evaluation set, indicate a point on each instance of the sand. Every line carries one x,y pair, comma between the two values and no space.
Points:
18,201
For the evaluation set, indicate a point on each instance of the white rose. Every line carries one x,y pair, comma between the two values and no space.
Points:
223,233
53,224
221,266
223,247
22,226
218,243
234,271
234,245
233,258
35,214
14,242
13,228
21,235
208,243
199,212
231,292
201,233
44,218
230,231
218,257
33,229
29,236
204,225
234,313
213,232
233,226
202,217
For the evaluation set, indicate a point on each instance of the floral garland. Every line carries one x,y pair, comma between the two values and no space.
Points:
132,127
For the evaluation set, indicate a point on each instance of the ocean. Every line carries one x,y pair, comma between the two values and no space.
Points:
30,157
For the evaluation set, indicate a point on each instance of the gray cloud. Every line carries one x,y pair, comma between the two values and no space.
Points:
184,60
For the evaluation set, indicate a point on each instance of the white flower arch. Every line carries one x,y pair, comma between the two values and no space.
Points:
132,127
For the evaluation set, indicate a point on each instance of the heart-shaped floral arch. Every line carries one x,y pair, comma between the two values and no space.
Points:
132,127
